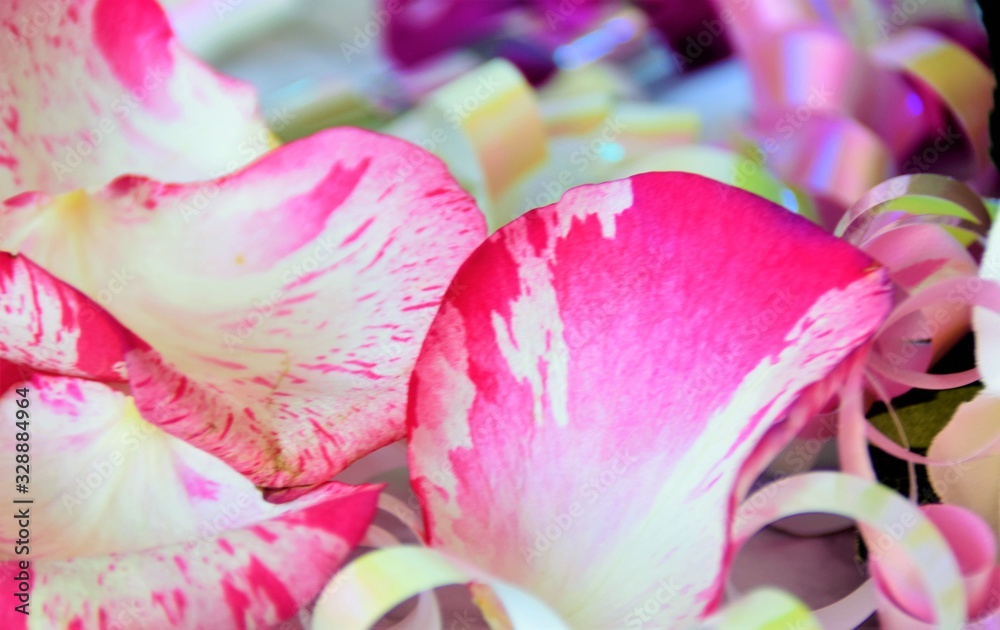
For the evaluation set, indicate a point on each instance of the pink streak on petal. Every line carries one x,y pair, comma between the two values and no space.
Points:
612,363
115,21
241,581
48,325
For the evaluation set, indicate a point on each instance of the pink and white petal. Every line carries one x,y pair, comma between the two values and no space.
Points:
92,89
12,576
105,480
284,305
48,325
253,577
581,411
12,373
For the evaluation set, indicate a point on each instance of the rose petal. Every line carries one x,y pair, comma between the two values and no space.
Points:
255,576
11,374
581,412
48,325
126,517
94,460
92,89
417,31
285,304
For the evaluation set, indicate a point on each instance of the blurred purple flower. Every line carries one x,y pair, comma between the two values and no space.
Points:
527,32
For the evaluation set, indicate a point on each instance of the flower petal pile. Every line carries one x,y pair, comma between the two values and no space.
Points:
123,159
286,347
131,525
91,90
331,262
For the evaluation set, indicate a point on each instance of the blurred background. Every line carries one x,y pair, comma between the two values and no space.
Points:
807,102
